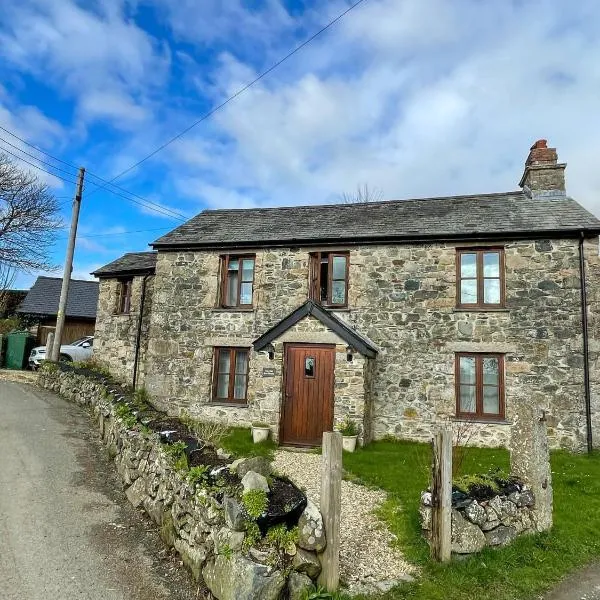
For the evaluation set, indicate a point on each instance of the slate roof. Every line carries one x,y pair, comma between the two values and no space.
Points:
132,263
43,297
356,340
480,216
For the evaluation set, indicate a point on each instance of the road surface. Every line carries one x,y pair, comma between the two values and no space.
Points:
66,529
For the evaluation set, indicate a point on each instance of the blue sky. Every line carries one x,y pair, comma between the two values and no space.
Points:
413,97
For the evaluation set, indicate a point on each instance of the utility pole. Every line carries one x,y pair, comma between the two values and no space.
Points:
64,291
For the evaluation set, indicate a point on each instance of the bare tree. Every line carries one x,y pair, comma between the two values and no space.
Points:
28,221
362,194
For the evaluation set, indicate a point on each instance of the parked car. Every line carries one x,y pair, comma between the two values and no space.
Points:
77,351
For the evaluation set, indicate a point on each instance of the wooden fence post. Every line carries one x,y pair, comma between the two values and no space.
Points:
441,495
331,505
49,344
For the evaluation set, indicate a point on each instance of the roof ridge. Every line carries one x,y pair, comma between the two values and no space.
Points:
60,279
351,204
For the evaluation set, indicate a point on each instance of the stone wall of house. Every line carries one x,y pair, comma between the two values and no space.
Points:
115,336
403,297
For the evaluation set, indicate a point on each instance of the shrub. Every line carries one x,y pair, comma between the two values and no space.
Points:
348,427
141,398
176,454
255,502
8,325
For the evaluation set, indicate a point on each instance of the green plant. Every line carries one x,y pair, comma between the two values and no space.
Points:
141,398
348,427
198,475
8,325
93,365
252,536
260,424
492,481
226,551
176,454
319,593
209,432
282,545
124,412
49,367
255,502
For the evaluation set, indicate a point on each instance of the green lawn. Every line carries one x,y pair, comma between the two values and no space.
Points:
239,442
521,571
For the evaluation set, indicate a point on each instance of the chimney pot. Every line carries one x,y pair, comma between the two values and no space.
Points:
544,176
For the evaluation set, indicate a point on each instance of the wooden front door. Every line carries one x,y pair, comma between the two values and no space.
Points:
308,394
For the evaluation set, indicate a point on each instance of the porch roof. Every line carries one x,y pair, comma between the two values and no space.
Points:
354,339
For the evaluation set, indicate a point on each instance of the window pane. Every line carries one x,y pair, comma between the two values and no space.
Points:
224,360
223,386
232,288
467,398
491,264
241,362
234,264
247,269
339,267
309,366
491,291
338,292
246,293
467,369
490,371
239,387
468,291
491,402
468,265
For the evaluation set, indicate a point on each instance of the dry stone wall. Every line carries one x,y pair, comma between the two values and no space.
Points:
209,533
494,522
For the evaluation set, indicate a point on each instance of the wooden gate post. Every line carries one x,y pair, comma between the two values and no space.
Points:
331,506
441,495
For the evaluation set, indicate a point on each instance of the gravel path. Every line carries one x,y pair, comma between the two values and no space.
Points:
367,562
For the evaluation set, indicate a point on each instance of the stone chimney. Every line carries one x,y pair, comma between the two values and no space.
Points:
544,175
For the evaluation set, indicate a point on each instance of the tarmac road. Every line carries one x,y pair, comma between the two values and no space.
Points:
66,529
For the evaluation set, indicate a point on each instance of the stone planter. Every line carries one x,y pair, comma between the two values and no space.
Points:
349,442
260,434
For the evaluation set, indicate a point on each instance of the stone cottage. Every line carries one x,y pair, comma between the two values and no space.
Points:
399,314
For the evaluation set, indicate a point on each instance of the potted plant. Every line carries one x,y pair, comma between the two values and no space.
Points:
260,432
349,431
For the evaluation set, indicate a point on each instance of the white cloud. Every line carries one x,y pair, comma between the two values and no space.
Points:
430,98
85,53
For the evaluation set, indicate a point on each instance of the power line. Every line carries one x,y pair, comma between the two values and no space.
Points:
83,235
37,158
162,208
164,211
36,166
239,92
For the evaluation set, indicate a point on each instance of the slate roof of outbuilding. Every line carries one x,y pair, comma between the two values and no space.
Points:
483,215
129,264
43,297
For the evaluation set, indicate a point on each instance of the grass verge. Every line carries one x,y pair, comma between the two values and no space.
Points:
521,571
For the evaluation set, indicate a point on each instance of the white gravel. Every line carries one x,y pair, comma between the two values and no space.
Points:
368,562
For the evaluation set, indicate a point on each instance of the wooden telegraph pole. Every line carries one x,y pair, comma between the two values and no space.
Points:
64,291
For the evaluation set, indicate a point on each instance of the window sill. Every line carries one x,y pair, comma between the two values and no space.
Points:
230,404
233,309
480,310
481,421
